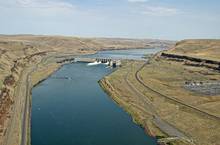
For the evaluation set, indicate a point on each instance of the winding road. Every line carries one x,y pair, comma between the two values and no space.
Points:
171,98
163,125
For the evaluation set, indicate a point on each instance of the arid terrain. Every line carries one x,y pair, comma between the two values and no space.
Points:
27,59
175,95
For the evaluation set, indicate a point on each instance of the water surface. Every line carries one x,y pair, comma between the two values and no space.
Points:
77,111
134,54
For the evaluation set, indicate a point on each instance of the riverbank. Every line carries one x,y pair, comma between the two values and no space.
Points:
155,95
108,88
32,75
30,59
19,125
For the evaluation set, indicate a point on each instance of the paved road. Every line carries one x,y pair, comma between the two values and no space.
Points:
26,125
21,110
18,109
163,125
173,99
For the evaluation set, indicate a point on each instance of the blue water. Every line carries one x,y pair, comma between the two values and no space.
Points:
77,111
134,54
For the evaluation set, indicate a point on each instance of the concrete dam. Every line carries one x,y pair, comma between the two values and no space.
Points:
108,61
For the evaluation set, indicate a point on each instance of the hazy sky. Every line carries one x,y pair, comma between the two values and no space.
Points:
163,19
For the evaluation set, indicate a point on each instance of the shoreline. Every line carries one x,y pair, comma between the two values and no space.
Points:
157,82
112,96
150,95
115,96
102,85
22,53
147,126
107,89
27,112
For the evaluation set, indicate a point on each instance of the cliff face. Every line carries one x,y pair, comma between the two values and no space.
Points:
201,53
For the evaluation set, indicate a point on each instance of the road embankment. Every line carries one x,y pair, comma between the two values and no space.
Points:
33,72
153,94
108,88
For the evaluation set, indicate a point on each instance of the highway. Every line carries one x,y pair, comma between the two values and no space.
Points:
17,131
27,107
199,111
19,109
160,123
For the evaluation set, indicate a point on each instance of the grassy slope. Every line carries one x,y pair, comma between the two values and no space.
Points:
209,49
168,78
18,52
19,46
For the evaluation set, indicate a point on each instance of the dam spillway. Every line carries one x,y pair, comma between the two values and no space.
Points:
108,61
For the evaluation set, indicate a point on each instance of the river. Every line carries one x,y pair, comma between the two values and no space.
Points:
76,111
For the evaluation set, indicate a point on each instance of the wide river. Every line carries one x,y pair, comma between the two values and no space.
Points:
76,111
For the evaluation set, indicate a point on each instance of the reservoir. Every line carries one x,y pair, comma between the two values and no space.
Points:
77,111
131,54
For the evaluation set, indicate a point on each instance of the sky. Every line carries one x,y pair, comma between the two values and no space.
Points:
157,19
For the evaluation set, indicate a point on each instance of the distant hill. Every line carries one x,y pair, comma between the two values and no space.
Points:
17,47
200,48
